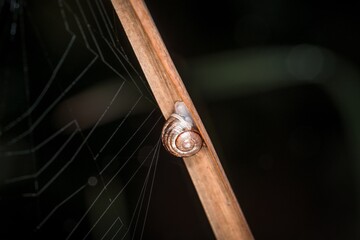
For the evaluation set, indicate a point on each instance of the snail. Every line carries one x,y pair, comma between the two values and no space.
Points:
179,135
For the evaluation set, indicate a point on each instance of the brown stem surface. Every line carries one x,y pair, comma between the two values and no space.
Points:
206,172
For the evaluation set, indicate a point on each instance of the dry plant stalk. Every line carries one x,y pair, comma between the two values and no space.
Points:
206,172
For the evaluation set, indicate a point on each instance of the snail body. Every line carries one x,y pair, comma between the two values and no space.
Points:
179,135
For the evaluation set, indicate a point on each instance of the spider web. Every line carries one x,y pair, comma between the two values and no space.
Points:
79,128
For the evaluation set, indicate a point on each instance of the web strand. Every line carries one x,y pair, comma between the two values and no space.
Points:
108,155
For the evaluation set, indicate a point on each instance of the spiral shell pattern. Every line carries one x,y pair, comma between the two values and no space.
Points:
180,137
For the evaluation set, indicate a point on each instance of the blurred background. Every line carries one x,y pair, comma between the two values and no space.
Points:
278,86
276,83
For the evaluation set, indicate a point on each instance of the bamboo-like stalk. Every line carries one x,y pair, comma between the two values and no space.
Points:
206,172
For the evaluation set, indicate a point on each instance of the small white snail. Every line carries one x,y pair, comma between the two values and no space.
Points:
179,135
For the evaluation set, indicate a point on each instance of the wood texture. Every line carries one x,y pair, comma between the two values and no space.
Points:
209,179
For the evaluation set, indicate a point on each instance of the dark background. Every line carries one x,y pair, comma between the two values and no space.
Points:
277,85
290,150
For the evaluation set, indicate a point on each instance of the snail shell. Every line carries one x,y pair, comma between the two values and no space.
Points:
179,135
